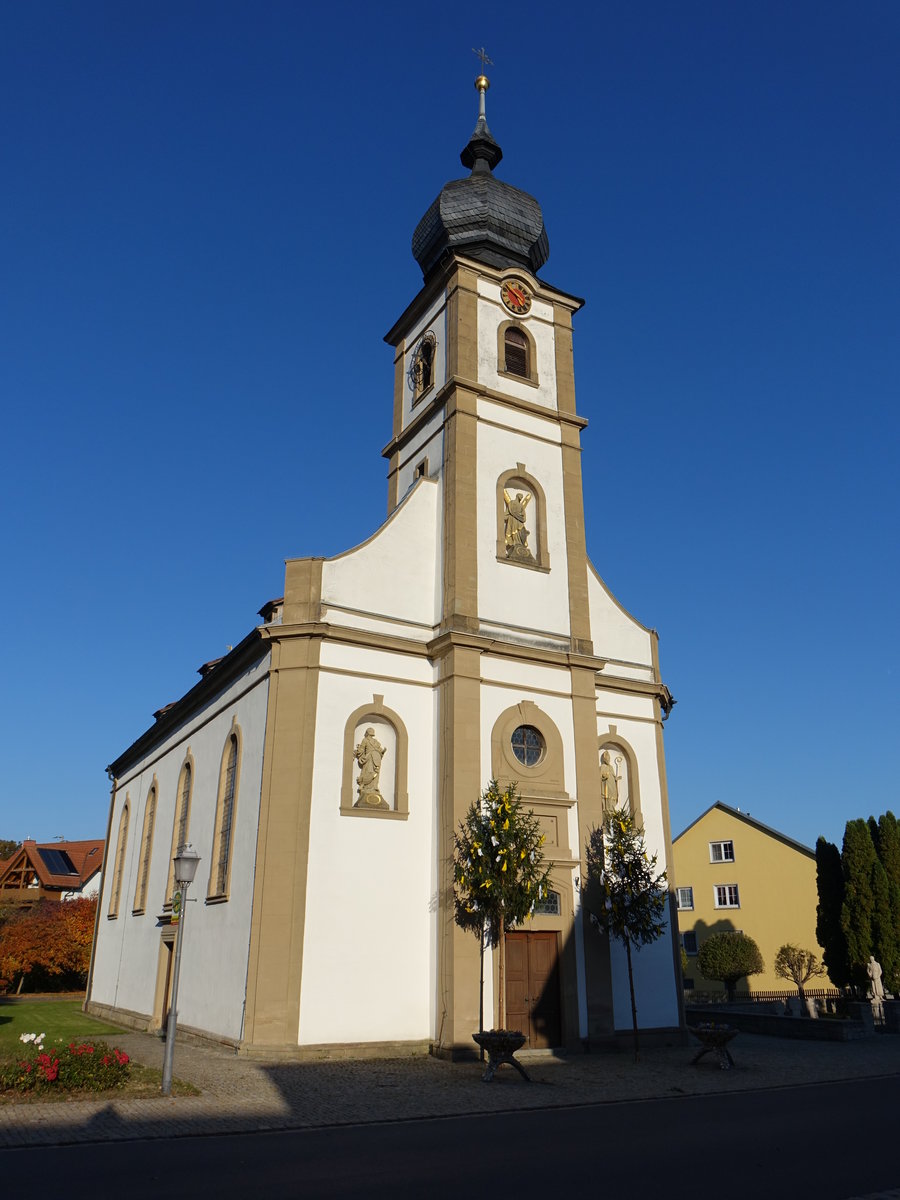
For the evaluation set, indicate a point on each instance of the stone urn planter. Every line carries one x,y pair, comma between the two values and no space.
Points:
500,1045
714,1037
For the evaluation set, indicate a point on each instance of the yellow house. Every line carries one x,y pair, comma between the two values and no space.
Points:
732,873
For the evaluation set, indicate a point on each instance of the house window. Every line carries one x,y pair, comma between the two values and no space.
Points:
689,941
119,870
721,852
528,745
685,897
515,352
182,819
727,895
224,840
140,892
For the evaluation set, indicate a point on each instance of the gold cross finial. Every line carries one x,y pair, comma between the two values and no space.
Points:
485,61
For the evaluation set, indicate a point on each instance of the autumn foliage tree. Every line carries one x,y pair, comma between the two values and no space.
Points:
49,946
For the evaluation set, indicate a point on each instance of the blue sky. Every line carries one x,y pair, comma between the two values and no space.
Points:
206,220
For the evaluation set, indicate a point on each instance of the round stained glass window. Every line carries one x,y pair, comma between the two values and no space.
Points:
528,745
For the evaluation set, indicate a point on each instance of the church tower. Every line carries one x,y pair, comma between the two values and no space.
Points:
468,639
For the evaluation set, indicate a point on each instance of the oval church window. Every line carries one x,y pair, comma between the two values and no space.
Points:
528,745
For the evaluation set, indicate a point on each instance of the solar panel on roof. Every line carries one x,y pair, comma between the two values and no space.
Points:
57,862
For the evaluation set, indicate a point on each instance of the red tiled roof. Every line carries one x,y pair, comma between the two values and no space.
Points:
86,858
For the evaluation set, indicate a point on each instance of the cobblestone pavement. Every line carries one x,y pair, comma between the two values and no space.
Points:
241,1095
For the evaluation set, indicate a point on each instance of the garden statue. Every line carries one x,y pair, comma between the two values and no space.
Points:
873,970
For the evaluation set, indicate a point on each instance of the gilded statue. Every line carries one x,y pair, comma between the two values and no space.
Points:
609,780
368,755
515,533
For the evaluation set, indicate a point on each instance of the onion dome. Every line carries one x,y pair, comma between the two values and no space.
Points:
480,216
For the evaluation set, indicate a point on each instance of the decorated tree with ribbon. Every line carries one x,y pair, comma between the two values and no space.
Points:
623,892
499,872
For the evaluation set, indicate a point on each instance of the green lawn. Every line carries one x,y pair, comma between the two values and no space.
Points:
56,1018
64,1019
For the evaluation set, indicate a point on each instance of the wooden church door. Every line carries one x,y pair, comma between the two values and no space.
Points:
532,987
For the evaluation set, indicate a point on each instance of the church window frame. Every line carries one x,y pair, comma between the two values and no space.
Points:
222,856
517,479
528,745
377,710
528,373
181,819
613,741
119,862
143,878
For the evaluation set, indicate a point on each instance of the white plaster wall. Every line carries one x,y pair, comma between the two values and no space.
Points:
435,320
393,573
539,323
655,985
613,704
216,936
509,594
369,941
430,447
615,633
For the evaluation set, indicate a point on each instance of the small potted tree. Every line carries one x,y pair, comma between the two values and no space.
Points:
499,875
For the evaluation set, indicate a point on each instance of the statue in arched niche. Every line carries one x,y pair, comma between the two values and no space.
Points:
515,533
609,780
368,755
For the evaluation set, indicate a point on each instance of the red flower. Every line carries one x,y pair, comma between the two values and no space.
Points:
121,1057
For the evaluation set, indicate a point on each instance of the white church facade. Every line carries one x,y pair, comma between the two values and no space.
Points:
321,767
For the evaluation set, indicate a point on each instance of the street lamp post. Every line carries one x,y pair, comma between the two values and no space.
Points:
185,869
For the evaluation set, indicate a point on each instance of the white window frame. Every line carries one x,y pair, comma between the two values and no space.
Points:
728,888
725,856
689,907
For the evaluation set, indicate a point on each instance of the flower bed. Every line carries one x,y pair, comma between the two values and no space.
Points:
74,1067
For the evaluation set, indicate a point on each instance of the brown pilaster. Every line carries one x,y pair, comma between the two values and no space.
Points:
459,784
275,966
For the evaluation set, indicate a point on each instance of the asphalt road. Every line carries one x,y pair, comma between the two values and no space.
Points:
828,1142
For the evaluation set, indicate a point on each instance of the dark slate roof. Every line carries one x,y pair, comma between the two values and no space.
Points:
482,217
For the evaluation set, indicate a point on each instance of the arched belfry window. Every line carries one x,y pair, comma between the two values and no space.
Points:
522,520
421,369
516,352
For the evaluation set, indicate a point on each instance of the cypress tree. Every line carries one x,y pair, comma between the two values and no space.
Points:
858,911
887,847
829,934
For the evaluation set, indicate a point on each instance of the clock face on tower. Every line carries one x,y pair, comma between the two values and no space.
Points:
516,296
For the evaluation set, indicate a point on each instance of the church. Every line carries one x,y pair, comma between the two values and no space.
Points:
321,767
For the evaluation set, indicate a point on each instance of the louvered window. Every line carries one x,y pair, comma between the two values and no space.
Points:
515,345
